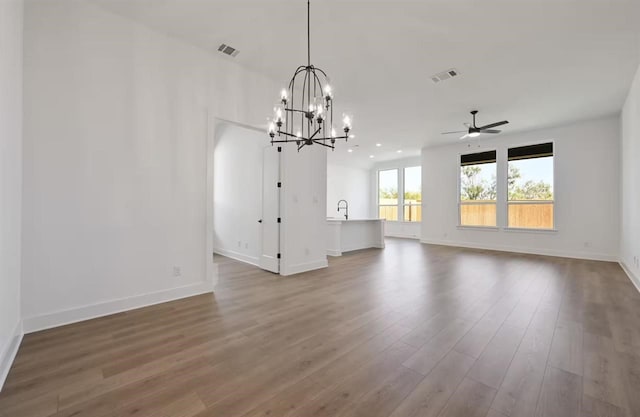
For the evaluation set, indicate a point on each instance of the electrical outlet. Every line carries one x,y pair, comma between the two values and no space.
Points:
587,244
246,246
239,244
177,272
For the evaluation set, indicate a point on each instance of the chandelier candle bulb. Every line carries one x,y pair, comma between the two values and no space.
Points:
279,114
346,123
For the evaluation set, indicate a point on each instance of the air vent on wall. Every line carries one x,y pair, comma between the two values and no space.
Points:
444,75
228,50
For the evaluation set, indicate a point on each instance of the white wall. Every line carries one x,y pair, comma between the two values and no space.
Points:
586,193
10,179
395,229
304,202
237,195
115,160
352,184
630,183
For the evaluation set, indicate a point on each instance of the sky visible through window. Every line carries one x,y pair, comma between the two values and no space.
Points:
389,180
536,169
412,183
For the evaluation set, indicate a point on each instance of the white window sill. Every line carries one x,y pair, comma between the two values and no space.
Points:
525,230
482,228
398,221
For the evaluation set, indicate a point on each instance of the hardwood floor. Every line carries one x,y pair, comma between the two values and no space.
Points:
412,330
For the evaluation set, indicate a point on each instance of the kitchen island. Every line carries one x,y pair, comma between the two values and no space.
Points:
353,234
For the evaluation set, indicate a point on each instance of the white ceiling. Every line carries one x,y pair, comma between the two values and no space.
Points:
536,63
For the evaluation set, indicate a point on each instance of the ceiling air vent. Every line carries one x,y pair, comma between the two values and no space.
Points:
444,75
228,50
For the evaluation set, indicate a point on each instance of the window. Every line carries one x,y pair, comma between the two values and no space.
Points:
530,187
478,189
412,196
388,194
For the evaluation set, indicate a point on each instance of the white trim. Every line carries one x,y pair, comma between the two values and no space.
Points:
304,267
530,251
479,228
238,256
74,315
331,252
9,352
634,279
528,230
402,236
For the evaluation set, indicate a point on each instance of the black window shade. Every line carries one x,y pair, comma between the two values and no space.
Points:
533,151
488,157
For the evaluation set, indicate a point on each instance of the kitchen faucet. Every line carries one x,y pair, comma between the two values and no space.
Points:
346,209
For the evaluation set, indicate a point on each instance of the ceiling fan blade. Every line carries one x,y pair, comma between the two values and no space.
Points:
491,131
464,137
496,124
458,131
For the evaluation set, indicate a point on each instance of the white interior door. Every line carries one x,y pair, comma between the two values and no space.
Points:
270,236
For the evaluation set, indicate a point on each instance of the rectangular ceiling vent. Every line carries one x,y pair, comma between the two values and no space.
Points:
228,50
444,75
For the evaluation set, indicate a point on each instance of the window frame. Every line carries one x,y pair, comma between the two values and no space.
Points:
400,169
397,205
461,202
402,202
506,226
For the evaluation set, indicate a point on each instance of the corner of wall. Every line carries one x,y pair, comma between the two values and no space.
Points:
634,279
9,352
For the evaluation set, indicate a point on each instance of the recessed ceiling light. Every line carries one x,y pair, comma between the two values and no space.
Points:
371,156
378,144
349,150
399,151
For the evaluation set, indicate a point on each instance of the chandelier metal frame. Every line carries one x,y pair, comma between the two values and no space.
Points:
312,122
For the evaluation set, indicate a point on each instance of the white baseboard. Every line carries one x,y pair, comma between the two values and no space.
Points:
9,352
304,267
237,256
60,318
402,236
333,252
634,279
529,251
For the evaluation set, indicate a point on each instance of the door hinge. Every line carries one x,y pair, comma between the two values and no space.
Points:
279,184
278,256
279,220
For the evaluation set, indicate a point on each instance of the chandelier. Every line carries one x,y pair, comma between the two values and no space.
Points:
308,119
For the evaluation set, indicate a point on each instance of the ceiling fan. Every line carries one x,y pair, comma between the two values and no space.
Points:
475,131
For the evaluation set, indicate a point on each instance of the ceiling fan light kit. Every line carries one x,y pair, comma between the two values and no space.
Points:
307,120
473,131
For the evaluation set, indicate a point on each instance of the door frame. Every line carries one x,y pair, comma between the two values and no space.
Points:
213,122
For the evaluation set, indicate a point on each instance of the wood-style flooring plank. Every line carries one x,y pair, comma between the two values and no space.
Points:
471,399
431,395
561,394
494,361
566,348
